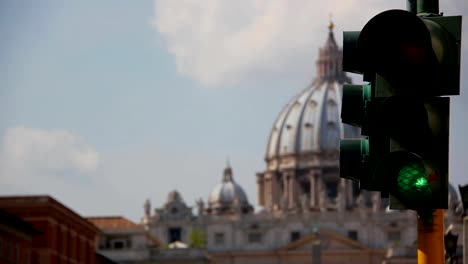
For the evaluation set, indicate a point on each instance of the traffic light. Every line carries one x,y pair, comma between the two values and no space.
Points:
408,62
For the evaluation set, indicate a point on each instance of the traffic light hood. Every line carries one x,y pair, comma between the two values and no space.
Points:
397,45
416,56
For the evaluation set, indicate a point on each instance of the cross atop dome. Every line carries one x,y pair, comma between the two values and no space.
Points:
329,62
330,23
227,175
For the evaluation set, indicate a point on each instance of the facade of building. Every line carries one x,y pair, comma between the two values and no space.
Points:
64,236
306,210
16,239
123,240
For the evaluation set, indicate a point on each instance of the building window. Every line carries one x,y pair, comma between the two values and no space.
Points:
254,237
219,238
17,253
79,250
295,235
10,250
353,234
394,236
175,234
119,244
26,257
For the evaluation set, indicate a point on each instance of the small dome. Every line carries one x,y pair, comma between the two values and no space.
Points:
228,196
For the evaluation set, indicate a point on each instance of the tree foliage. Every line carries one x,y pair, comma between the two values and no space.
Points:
197,238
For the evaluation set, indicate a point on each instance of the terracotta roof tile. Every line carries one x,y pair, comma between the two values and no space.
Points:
112,222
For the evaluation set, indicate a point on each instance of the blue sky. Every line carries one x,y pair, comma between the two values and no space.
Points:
106,103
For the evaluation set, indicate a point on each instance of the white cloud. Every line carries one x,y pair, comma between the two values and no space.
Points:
30,152
222,41
55,162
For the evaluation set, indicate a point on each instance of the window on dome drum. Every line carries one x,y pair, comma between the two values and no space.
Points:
175,234
356,190
305,187
295,235
219,239
332,189
353,234
394,236
254,237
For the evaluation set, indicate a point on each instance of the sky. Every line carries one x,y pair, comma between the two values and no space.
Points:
104,104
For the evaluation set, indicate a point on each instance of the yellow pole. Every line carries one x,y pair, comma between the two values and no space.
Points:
431,240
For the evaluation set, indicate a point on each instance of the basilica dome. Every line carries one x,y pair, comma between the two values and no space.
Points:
311,122
302,153
228,196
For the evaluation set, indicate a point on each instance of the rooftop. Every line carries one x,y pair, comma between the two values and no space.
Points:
112,222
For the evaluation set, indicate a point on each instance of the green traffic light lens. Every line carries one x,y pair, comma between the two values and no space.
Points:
412,183
412,179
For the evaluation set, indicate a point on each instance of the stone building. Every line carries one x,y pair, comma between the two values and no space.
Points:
306,210
302,157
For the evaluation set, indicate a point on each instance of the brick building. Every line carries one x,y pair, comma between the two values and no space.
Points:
65,237
16,238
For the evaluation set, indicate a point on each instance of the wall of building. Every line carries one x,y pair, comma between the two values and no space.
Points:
15,245
298,257
65,237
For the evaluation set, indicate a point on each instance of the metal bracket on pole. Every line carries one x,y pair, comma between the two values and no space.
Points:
423,6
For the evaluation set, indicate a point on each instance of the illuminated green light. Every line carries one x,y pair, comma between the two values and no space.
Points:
413,184
421,183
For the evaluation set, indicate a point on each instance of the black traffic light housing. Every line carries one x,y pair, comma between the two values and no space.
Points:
408,61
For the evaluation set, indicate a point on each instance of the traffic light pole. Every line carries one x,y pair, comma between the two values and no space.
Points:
423,6
430,234
416,53
431,239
